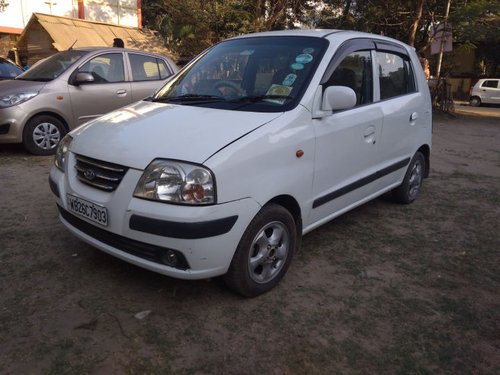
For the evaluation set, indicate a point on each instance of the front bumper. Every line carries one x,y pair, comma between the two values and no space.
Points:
12,120
141,232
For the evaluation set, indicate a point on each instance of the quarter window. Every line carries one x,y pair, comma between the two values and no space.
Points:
395,75
355,71
148,68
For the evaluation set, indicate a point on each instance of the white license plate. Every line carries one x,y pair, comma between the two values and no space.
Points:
94,212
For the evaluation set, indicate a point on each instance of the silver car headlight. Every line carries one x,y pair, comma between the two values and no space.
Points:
176,182
18,98
62,151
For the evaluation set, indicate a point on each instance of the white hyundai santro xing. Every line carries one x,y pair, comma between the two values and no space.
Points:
259,140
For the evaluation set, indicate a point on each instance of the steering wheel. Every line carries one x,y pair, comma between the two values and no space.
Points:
230,85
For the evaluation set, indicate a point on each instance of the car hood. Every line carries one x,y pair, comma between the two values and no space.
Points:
137,134
16,86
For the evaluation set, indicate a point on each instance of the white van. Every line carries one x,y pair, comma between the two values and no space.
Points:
256,142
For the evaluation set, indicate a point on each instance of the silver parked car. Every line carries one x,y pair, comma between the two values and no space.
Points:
72,87
485,91
9,69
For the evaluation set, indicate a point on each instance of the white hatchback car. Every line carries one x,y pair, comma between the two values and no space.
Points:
485,91
259,140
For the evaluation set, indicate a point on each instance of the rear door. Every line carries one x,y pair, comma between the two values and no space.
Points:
404,109
148,74
109,90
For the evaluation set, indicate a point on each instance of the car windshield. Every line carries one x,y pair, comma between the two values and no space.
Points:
52,67
8,70
263,74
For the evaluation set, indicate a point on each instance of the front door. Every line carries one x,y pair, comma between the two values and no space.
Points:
107,92
347,143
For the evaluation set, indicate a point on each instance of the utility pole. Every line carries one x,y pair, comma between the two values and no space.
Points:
50,4
443,39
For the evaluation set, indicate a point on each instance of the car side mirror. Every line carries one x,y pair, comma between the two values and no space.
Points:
337,98
82,78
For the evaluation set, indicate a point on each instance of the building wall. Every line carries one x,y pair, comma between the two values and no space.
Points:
120,12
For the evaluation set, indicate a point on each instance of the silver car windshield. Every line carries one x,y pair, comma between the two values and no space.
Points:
265,74
52,67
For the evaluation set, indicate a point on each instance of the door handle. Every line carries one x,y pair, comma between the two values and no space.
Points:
369,134
121,92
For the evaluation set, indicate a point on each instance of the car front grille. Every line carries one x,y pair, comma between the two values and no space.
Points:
99,174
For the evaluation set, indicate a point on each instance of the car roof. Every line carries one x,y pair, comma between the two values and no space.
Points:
321,33
115,49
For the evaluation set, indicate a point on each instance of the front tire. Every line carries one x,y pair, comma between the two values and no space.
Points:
408,191
264,252
42,134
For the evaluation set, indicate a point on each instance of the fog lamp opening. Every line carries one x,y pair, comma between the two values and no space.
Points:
170,258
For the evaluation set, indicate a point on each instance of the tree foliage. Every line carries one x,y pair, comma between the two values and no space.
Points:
192,25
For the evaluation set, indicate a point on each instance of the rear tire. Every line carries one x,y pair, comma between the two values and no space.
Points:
264,252
408,191
475,101
42,134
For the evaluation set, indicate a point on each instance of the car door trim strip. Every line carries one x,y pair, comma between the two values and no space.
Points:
360,183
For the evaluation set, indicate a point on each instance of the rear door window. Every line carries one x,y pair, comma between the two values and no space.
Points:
148,68
395,75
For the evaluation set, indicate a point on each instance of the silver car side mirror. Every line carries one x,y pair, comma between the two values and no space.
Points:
83,78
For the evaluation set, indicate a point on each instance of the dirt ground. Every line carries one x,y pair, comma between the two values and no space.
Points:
385,288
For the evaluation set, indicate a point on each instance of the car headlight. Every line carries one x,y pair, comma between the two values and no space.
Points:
62,151
18,98
176,182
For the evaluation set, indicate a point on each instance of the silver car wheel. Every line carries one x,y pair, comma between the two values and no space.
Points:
46,136
268,252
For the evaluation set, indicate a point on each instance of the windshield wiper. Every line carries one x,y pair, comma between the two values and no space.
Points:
189,98
33,79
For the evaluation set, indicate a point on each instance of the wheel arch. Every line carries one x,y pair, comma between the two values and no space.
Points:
291,205
426,151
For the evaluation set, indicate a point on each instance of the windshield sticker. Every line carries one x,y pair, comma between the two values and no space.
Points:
280,91
308,50
297,66
247,52
305,58
289,80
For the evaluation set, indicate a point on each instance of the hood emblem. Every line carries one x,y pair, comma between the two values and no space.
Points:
89,174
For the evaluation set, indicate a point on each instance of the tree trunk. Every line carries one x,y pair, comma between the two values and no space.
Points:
416,21
258,6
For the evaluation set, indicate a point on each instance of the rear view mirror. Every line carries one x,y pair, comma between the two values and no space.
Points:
82,78
337,98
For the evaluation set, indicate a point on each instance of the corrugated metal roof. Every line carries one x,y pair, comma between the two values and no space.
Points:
66,32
